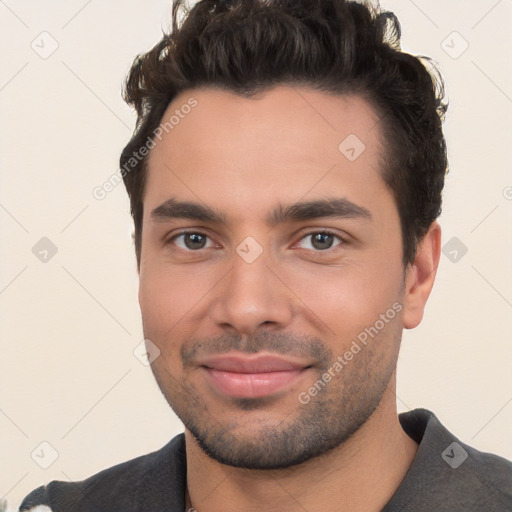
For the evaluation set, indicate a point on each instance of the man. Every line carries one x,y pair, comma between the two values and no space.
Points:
285,178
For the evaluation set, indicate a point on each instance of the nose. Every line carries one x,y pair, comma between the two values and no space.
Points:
250,297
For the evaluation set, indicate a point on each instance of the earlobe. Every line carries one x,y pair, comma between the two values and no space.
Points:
420,276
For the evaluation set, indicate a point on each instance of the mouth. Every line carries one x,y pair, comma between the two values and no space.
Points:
252,376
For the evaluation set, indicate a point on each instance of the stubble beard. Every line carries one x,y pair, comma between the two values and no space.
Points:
332,417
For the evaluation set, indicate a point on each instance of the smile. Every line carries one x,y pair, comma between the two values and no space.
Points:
257,376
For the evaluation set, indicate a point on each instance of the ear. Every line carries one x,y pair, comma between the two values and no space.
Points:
420,275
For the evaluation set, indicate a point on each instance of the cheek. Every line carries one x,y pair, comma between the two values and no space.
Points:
346,299
171,300
159,304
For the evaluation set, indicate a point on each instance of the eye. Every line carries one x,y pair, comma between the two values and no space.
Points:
191,241
320,240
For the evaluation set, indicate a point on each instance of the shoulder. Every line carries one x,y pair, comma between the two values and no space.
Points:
493,473
450,474
482,481
120,487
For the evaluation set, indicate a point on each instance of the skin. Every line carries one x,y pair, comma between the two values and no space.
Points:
241,157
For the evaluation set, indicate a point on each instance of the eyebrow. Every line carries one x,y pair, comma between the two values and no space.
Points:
301,211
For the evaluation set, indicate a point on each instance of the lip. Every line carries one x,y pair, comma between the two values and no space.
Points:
253,376
257,363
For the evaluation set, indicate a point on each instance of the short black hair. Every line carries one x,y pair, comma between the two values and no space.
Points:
335,46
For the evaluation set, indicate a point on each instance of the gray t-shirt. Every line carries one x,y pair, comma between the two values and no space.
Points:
446,475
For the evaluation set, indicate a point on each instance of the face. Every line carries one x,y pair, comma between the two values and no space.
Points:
271,275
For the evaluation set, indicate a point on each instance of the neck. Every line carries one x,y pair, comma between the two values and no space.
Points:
362,474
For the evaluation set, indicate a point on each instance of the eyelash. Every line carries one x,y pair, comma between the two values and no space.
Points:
342,240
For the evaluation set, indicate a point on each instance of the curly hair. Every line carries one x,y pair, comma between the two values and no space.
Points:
334,46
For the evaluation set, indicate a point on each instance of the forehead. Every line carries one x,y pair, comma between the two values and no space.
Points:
287,142
282,117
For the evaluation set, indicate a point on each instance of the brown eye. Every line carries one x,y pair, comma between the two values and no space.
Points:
190,241
194,241
321,241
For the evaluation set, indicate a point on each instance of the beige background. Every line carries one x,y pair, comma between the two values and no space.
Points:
69,326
